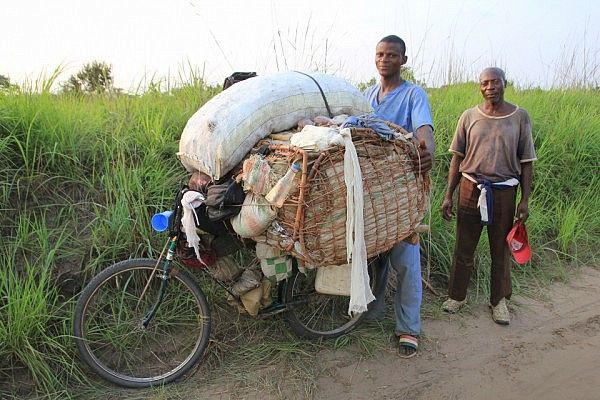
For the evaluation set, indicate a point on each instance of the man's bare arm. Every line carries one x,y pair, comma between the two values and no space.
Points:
453,180
526,180
424,135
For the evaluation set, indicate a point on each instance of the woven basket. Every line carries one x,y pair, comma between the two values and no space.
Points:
314,216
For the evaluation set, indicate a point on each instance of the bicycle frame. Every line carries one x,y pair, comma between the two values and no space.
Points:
148,308
174,236
166,270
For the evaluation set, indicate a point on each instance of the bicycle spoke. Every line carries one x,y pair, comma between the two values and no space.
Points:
320,315
316,314
121,348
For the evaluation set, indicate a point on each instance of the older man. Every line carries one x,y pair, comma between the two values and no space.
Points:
492,152
406,105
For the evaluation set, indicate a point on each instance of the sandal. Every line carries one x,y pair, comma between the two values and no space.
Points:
408,345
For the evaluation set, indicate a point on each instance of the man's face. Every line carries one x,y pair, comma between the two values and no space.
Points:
389,57
491,86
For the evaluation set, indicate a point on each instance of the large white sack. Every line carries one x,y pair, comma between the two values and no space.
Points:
220,134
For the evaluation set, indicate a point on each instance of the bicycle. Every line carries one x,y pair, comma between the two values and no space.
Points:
145,322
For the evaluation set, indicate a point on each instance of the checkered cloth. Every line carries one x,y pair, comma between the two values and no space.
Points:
276,268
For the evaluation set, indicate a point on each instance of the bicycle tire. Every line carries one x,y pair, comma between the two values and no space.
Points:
111,339
315,315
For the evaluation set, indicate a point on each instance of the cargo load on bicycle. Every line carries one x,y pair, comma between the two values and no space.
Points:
338,191
228,132
315,215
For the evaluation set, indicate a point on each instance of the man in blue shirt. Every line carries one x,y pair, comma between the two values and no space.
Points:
404,104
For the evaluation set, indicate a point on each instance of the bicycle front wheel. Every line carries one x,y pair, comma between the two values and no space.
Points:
109,332
315,315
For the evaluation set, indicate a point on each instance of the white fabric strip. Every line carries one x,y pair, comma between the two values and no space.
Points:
190,200
356,250
482,201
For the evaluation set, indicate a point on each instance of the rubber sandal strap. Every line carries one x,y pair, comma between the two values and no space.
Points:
409,341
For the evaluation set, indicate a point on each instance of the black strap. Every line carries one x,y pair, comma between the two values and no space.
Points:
320,90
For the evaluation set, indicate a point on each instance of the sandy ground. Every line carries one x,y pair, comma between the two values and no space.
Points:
550,351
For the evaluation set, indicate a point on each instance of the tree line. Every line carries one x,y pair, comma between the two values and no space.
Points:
95,77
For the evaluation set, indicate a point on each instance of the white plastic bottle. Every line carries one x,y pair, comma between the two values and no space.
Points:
281,190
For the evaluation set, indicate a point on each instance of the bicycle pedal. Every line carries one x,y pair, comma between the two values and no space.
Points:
275,308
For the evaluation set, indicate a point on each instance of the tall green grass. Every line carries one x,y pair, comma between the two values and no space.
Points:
35,319
81,176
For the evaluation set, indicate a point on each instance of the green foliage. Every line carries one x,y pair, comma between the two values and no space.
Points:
4,82
408,74
6,86
81,176
93,78
364,85
34,320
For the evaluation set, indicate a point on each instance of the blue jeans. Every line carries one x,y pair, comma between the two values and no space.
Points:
405,258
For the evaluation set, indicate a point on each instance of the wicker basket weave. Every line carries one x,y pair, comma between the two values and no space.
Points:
314,216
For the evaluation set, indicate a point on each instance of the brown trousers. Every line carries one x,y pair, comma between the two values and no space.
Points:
468,231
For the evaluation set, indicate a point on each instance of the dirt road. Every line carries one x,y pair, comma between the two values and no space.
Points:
551,351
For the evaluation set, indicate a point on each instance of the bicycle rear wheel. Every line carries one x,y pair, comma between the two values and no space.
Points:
315,315
109,332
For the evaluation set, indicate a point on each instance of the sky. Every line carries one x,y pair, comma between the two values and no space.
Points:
538,43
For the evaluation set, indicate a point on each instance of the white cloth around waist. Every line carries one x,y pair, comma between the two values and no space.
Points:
482,202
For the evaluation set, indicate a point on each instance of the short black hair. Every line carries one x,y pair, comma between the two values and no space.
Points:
395,39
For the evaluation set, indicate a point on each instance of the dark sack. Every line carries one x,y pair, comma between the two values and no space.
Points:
237,77
224,200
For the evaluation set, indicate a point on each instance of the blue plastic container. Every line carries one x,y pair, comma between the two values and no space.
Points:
160,222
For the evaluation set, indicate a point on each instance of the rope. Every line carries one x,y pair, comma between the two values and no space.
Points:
322,93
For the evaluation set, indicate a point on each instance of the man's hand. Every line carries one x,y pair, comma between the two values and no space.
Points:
422,162
522,212
447,209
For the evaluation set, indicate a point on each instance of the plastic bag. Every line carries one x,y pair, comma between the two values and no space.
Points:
249,280
254,218
256,173
313,138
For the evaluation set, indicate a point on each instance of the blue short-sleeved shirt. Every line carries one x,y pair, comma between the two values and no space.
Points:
407,106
